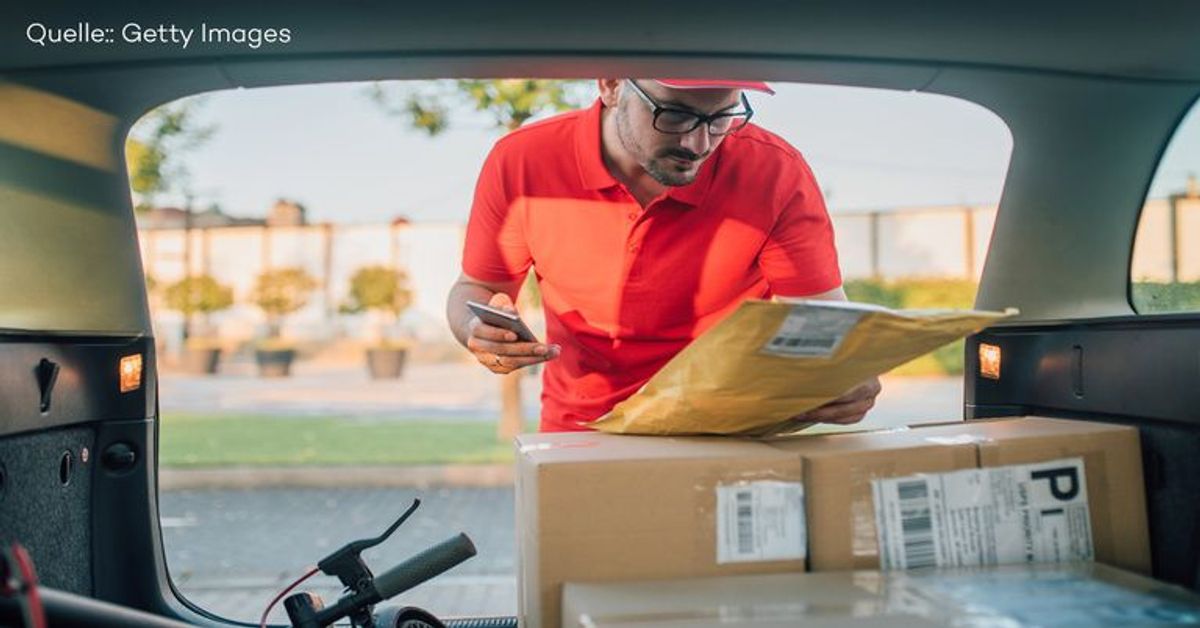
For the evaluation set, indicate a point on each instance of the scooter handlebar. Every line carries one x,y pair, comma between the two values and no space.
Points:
424,566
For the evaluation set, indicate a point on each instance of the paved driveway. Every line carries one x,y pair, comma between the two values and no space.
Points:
231,550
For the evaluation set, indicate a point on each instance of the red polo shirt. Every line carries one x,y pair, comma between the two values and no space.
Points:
625,289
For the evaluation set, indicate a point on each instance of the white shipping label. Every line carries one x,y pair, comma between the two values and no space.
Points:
760,521
1033,513
812,331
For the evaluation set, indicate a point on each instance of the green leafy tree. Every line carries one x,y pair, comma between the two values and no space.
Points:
280,292
379,288
156,146
510,103
200,294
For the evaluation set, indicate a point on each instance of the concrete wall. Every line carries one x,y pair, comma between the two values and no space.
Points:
1168,241
924,242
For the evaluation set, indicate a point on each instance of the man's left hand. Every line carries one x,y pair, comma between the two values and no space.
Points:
849,408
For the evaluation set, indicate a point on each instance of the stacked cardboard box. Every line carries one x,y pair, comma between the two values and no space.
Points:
607,508
1076,594
839,471
602,508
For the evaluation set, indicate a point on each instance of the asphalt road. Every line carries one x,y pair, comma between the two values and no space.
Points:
230,551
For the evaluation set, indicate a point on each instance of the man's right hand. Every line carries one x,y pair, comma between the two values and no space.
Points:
499,349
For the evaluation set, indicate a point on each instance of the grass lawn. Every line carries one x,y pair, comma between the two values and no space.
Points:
229,439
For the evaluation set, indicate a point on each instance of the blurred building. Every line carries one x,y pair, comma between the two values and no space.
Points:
930,242
177,218
285,213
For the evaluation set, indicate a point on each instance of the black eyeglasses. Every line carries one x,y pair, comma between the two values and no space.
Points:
681,121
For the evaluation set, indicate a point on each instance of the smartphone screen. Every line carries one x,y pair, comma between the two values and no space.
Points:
503,320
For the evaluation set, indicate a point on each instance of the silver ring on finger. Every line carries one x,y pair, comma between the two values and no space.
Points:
497,362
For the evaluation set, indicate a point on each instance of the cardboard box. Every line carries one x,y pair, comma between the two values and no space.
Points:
839,470
1112,457
597,507
1077,594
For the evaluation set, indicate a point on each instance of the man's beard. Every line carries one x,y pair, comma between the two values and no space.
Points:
666,171
660,167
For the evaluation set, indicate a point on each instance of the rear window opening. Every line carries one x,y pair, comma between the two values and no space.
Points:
299,245
1165,274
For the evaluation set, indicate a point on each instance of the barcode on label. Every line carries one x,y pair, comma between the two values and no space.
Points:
916,523
794,342
745,523
760,521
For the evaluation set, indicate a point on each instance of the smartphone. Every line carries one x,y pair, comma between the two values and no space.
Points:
503,320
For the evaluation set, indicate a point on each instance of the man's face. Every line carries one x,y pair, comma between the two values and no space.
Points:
670,159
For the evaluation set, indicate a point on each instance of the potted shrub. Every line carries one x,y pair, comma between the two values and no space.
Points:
277,293
200,294
384,290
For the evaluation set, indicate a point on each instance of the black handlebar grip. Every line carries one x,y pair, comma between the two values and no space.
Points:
423,566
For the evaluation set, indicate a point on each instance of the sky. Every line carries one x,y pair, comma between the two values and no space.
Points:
334,150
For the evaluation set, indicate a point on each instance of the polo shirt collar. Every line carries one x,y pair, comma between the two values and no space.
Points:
594,175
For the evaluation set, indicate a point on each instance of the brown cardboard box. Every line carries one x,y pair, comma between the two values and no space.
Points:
1078,594
839,470
598,507
1112,458
595,507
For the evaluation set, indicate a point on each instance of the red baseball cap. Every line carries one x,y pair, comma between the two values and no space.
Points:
757,86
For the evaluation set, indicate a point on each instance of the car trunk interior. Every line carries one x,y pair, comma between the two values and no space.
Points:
1089,119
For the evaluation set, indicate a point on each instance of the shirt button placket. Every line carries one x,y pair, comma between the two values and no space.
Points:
632,246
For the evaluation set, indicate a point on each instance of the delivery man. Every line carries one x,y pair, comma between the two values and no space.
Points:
647,218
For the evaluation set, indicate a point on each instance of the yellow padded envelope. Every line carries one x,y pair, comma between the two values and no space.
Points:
769,361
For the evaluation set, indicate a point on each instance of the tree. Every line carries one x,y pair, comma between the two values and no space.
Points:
280,292
379,288
155,148
200,294
510,102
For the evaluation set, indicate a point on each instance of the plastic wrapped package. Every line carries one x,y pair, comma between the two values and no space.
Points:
1076,595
